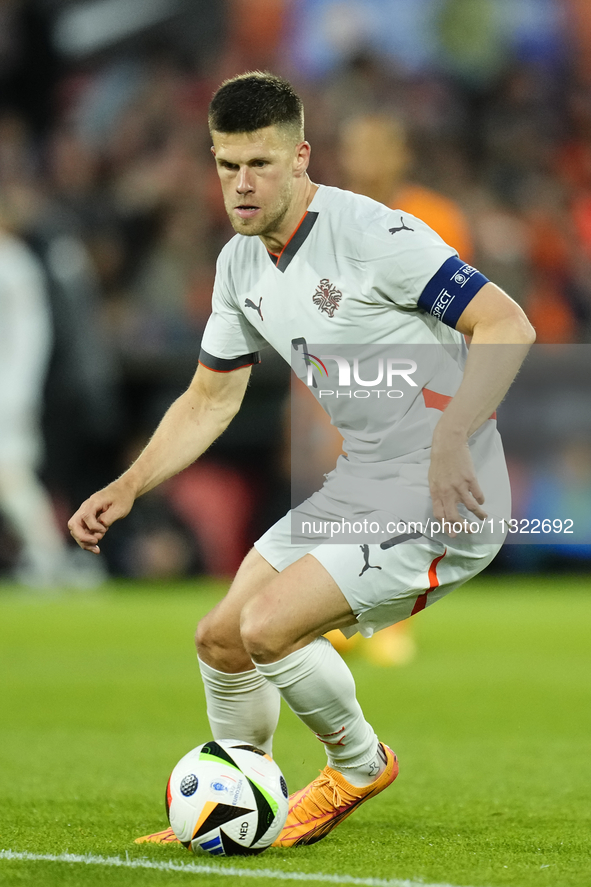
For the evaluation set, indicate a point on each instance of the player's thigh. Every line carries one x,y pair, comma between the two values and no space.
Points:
298,605
387,583
218,633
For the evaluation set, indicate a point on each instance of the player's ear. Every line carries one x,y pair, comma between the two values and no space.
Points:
302,158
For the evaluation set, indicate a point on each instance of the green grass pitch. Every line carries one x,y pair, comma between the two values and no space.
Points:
100,696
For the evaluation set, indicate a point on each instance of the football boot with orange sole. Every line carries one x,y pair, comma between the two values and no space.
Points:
166,836
323,804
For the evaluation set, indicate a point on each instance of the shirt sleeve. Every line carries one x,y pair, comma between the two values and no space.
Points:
229,340
414,268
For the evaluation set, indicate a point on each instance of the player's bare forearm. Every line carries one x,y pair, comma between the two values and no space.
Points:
501,337
188,428
193,422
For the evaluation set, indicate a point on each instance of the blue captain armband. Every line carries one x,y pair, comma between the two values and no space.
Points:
450,290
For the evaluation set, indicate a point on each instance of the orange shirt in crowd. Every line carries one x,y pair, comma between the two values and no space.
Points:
440,213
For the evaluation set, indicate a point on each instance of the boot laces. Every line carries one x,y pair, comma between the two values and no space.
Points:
324,795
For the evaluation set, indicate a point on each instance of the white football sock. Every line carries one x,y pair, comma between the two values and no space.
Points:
241,706
369,772
320,690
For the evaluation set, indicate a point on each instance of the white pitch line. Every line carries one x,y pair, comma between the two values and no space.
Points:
193,868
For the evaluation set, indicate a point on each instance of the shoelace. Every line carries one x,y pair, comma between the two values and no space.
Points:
329,791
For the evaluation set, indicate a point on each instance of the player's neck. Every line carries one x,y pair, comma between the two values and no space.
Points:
276,240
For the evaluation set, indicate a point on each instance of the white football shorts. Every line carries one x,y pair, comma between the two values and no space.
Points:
383,583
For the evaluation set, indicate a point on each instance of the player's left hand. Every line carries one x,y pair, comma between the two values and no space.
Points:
452,480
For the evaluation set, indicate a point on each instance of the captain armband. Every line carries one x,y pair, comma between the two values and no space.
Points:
450,290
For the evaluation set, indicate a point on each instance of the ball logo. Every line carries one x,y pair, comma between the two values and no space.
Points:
189,785
218,787
243,830
283,784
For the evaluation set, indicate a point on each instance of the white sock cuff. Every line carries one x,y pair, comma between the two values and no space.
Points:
297,665
241,682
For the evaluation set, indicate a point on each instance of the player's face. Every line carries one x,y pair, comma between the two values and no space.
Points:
258,171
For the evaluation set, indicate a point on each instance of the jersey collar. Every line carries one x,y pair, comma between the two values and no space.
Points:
281,260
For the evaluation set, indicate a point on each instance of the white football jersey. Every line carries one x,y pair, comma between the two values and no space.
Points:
356,273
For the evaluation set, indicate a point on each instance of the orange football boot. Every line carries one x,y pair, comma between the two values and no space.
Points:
319,807
166,836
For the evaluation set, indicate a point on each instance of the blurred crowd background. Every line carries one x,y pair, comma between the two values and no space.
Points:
472,114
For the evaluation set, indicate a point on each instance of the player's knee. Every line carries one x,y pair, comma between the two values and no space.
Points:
204,635
260,640
216,646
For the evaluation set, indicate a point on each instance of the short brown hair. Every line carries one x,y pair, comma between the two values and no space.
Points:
253,101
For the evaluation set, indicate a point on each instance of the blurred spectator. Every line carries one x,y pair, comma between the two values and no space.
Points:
29,63
376,160
472,41
503,246
25,345
255,28
578,14
82,408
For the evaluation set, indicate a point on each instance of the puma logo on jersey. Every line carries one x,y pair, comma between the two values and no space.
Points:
327,297
250,304
367,565
403,227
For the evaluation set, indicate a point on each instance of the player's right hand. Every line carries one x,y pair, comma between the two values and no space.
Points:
94,517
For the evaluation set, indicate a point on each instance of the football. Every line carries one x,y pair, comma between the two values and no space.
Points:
226,798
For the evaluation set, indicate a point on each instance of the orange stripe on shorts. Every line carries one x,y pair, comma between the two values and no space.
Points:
421,601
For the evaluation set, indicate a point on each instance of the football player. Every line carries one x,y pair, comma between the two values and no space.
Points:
310,264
